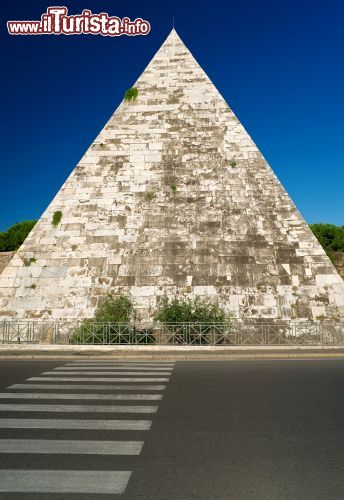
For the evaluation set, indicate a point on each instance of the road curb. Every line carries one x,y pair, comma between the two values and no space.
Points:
57,352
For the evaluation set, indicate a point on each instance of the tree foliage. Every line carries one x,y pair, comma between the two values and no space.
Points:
11,239
330,237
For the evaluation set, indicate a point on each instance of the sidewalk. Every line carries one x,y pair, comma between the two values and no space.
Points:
168,352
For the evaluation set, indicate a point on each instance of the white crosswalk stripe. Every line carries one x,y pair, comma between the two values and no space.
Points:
39,395
105,373
117,369
80,387
60,481
79,408
101,379
40,423
121,367
71,447
107,387
120,363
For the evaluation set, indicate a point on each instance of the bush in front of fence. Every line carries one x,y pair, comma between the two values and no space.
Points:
110,325
196,310
114,309
178,321
91,332
193,321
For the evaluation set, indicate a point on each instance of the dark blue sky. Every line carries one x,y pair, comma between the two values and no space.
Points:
279,64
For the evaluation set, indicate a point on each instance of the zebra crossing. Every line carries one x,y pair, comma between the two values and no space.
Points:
78,397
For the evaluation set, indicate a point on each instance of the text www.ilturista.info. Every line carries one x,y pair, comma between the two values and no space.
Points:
55,21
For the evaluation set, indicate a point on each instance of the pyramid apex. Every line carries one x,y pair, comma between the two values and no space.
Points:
173,34
173,38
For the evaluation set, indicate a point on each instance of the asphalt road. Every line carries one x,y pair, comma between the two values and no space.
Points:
207,430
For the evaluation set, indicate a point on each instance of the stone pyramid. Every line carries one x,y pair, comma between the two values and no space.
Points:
173,197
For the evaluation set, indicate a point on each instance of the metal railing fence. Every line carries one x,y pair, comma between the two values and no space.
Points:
232,333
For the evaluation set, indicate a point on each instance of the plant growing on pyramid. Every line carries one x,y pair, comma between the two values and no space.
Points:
321,317
149,196
131,94
232,162
330,318
57,218
173,188
28,262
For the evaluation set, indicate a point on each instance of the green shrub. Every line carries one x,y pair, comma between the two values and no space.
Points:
11,239
131,94
116,309
111,323
173,188
57,218
92,332
232,162
192,321
197,310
